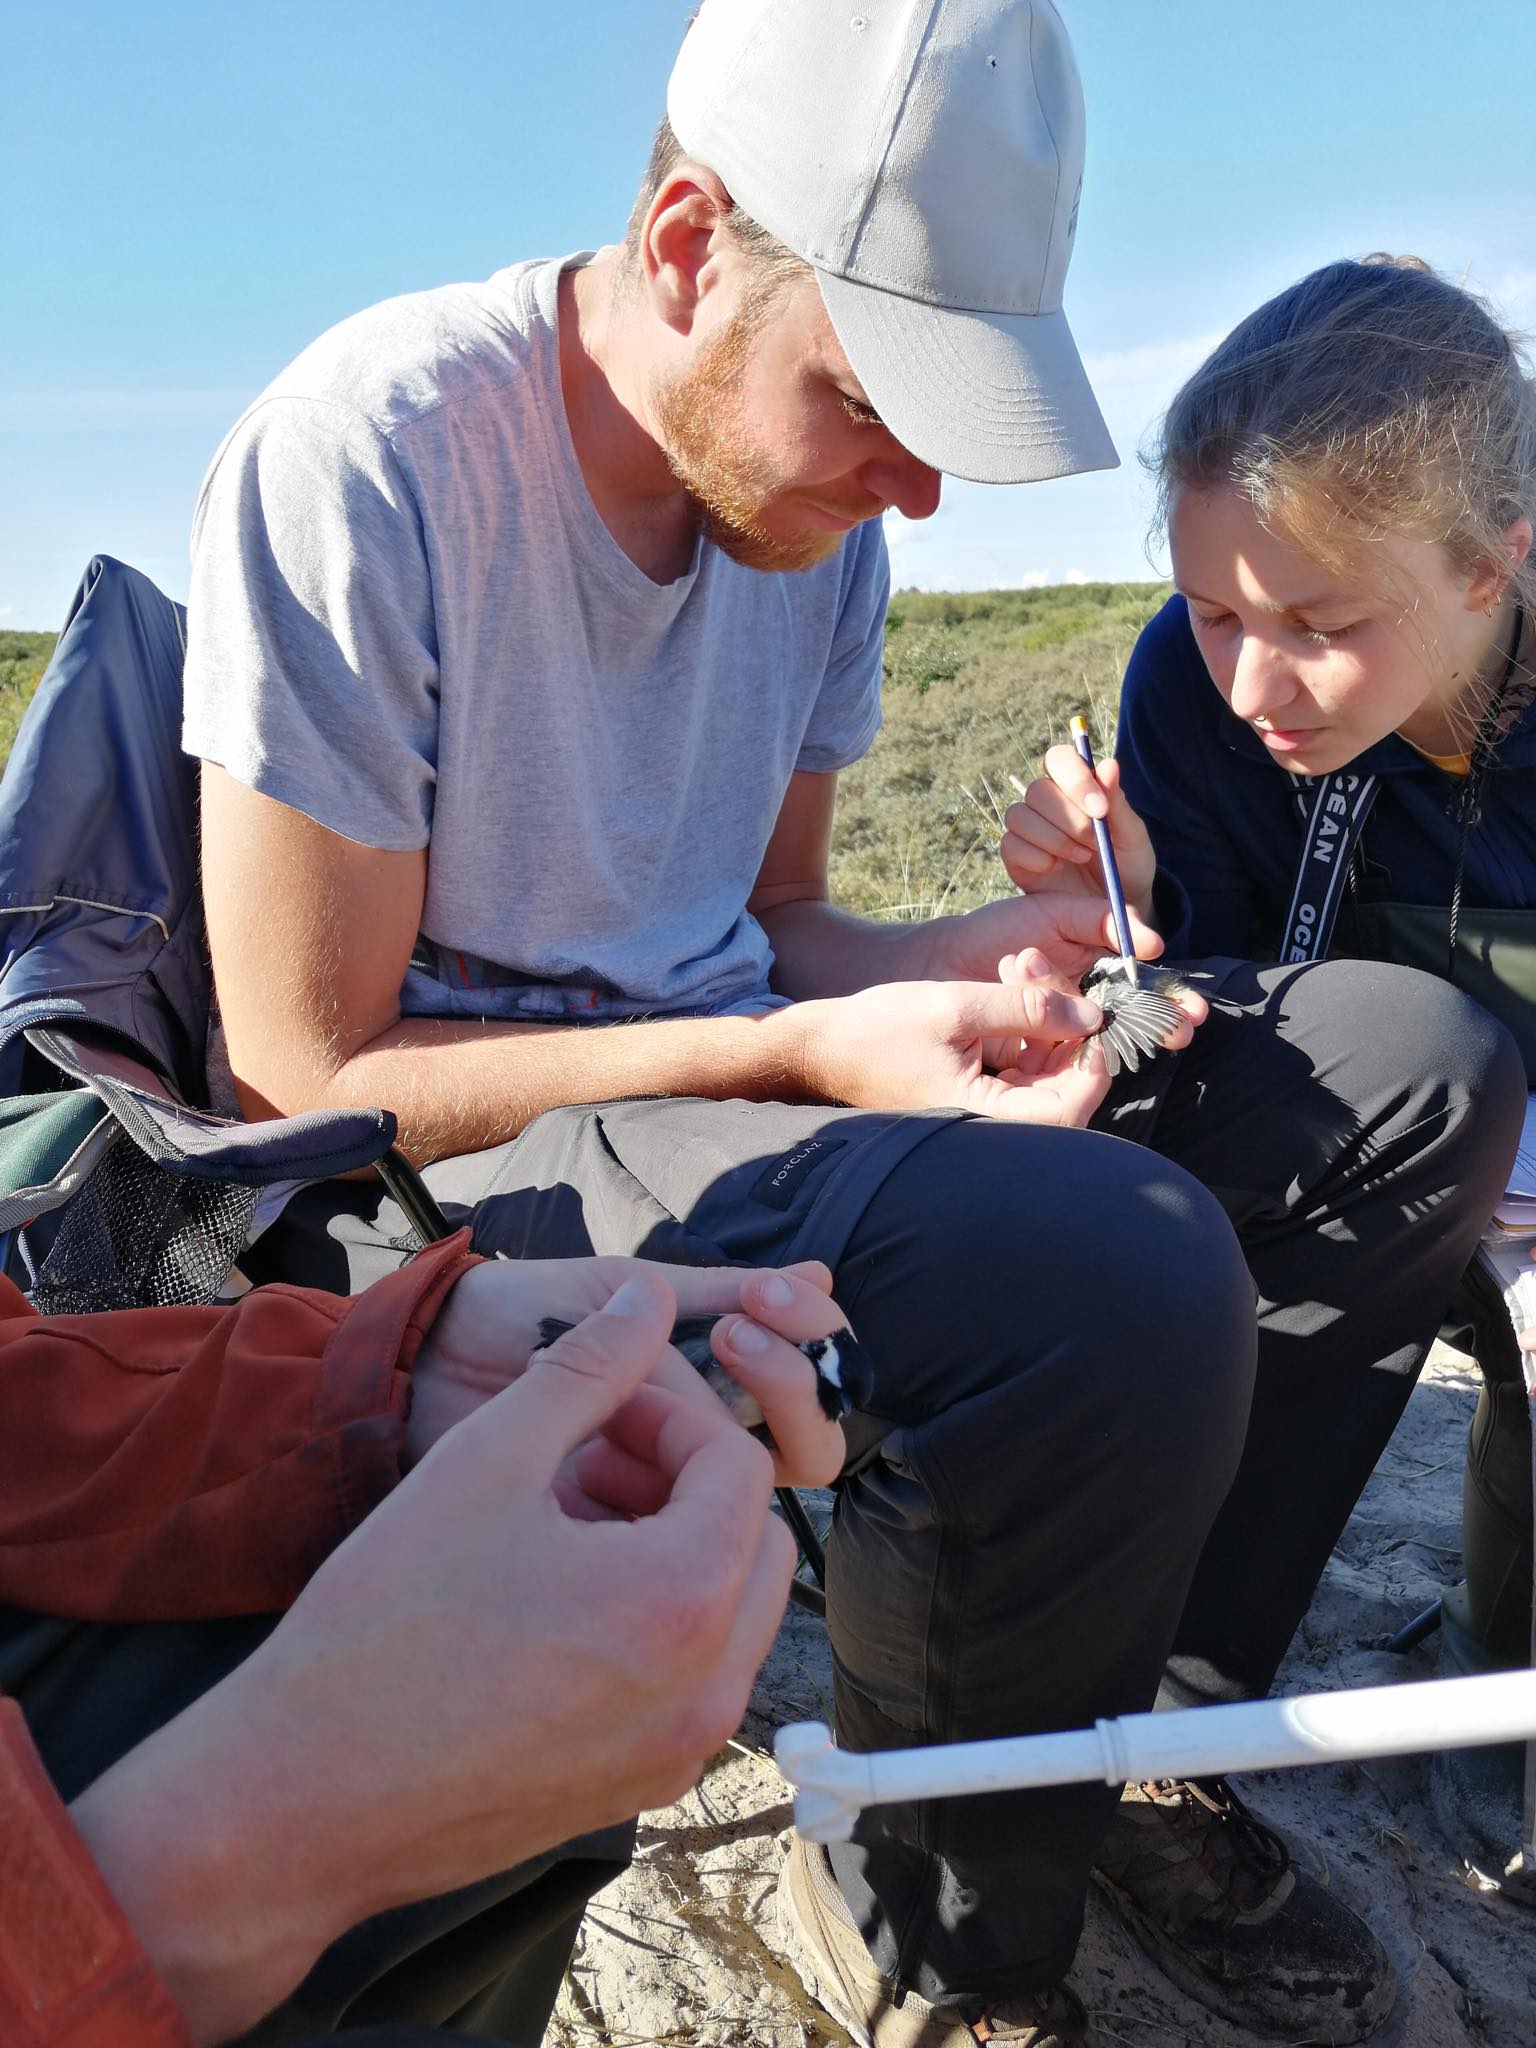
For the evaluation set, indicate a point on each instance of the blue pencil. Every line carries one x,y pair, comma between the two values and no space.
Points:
1101,837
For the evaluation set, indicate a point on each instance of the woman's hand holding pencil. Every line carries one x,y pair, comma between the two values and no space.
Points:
1049,842
1071,929
1044,847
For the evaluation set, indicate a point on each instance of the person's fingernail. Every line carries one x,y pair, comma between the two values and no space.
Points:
1036,966
745,1336
630,1299
776,1292
1084,1013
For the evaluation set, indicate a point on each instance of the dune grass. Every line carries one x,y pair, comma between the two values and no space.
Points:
977,685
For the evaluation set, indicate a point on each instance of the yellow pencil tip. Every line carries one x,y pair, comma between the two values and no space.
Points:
1079,723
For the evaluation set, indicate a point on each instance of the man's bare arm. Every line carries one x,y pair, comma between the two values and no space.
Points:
311,935
818,949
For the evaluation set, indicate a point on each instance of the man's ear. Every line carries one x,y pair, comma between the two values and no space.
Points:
1492,577
680,243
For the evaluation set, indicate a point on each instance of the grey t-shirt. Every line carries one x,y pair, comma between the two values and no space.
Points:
408,621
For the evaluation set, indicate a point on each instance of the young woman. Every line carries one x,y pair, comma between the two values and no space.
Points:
1328,736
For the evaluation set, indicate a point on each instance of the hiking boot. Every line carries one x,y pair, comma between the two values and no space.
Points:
831,1961
1478,1795
1211,1894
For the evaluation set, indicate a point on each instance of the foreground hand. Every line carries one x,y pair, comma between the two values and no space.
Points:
1048,835
925,1045
473,1677
489,1328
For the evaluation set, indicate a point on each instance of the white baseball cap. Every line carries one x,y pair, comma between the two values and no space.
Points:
925,157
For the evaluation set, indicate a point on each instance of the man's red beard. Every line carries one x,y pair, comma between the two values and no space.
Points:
704,438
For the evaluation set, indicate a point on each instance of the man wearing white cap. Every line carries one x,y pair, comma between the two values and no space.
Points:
530,625
932,296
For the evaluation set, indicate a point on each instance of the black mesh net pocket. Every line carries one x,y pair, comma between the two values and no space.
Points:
138,1236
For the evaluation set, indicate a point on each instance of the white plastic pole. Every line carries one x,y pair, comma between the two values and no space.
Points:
832,1785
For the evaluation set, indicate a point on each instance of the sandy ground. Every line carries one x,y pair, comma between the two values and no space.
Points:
682,1949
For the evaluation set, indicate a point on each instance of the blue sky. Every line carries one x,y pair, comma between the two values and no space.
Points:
192,189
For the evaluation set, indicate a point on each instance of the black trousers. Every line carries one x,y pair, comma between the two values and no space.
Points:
1063,1330
1359,1155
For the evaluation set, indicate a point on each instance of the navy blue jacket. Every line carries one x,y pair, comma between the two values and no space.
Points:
1224,822
103,966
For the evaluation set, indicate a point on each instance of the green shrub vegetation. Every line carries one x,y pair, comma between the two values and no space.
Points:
23,657
977,685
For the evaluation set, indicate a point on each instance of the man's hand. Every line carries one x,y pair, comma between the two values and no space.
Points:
488,1329
932,1045
1048,835
476,1675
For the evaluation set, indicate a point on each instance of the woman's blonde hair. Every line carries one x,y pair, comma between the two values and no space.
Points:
1372,398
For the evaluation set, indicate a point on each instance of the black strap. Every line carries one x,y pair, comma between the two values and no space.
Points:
1334,808
1333,811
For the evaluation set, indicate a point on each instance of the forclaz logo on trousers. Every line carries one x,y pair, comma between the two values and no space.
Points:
778,1187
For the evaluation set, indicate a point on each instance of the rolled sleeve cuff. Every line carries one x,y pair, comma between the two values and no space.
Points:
363,1396
72,1972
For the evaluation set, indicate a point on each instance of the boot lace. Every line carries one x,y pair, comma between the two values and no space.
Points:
1254,1856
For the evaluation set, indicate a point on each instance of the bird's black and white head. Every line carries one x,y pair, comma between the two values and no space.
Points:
845,1379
